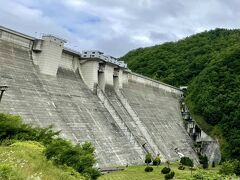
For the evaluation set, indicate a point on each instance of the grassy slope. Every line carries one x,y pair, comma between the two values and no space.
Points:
137,173
25,160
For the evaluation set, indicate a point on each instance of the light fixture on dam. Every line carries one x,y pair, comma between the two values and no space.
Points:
2,89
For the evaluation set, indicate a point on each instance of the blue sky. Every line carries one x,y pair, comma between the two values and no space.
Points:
117,26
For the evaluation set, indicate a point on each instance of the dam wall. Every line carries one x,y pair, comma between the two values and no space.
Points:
159,113
134,77
91,97
64,101
16,38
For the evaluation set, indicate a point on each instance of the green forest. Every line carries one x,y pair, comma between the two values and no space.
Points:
209,64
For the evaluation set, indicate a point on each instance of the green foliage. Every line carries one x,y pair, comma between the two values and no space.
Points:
165,170
8,172
201,174
157,161
204,161
227,168
92,173
148,169
213,164
80,157
237,167
11,127
186,161
208,63
148,158
25,159
181,167
170,175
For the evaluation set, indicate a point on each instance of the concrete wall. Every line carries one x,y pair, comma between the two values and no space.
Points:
89,72
125,77
16,39
67,61
49,58
118,79
158,114
108,75
152,83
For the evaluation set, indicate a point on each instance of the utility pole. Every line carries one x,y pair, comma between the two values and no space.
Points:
2,89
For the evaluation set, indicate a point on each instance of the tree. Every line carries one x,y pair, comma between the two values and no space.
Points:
148,158
227,168
186,161
237,167
157,161
168,163
204,161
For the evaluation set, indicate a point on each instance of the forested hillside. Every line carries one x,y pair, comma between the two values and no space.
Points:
209,64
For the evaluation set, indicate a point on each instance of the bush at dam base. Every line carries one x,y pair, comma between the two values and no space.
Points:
186,161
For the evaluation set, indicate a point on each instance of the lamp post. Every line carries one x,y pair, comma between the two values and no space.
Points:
2,89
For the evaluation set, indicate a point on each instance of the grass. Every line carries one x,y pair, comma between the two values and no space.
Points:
138,173
25,160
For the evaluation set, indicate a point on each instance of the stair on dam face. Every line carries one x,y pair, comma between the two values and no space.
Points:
160,113
64,101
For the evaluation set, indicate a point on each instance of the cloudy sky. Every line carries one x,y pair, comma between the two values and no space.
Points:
117,26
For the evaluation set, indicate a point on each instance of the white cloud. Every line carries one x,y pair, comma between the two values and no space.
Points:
117,26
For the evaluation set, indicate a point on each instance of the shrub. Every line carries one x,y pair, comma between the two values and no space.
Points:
166,170
148,169
148,158
168,163
198,176
181,167
186,161
213,164
227,168
237,168
157,161
12,127
170,175
204,161
79,157
91,173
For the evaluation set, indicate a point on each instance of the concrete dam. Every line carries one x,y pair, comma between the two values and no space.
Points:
91,97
